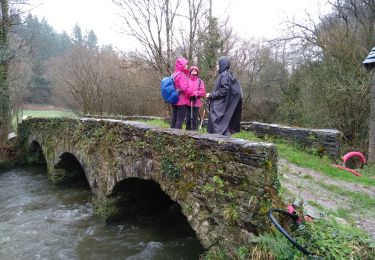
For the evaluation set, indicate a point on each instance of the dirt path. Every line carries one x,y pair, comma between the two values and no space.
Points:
320,194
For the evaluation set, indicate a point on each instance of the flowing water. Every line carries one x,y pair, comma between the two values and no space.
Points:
41,221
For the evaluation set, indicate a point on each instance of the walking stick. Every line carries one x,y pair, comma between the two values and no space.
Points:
191,114
202,118
205,108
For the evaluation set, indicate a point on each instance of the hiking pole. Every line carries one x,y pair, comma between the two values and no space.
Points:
205,107
202,118
191,115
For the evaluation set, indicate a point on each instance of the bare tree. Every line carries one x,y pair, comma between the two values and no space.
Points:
151,23
326,55
261,73
19,74
82,74
188,42
154,24
5,26
10,12
97,82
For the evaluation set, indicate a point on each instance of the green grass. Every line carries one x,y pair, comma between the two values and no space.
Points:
163,124
324,238
48,113
360,200
315,204
155,122
42,113
247,136
321,164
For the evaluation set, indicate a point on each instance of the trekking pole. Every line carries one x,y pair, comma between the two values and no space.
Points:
191,115
205,108
202,119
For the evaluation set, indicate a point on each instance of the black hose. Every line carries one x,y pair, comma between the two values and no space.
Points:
282,230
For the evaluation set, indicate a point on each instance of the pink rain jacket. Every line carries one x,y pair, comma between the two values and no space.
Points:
181,82
197,86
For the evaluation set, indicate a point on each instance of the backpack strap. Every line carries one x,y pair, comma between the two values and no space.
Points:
175,75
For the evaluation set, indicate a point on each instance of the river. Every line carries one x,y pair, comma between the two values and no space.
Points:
41,221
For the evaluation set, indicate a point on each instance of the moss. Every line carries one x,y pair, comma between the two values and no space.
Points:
276,184
312,137
231,214
187,209
169,168
268,165
243,252
264,205
216,254
106,208
183,188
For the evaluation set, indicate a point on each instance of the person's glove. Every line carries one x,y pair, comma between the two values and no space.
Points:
193,99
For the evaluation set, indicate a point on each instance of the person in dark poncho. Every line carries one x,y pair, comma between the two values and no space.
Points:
225,102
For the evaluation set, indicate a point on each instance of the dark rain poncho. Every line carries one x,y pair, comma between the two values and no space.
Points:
225,102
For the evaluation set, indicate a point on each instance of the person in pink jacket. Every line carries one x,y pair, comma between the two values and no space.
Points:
181,83
197,86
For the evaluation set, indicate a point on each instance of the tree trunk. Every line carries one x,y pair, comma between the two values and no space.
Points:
168,32
4,64
371,148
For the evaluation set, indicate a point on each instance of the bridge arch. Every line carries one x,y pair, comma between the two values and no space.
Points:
61,163
224,186
68,169
145,200
36,154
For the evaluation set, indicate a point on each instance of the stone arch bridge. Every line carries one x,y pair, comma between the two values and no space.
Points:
224,186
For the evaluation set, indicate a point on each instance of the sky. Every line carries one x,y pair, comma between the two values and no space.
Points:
249,18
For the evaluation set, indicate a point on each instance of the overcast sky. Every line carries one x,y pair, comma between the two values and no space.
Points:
250,18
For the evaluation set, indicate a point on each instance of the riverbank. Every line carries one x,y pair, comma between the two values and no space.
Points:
9,155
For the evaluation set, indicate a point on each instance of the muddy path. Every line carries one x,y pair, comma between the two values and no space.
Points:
321,194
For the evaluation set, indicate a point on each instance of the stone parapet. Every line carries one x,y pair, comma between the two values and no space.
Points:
322,141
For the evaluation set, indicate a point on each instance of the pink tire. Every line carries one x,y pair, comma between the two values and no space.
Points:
354,157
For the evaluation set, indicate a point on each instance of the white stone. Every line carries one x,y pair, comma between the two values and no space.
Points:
11,135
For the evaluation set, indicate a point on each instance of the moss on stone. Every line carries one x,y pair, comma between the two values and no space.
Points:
106,208
231,214
212,184
187,209
268,165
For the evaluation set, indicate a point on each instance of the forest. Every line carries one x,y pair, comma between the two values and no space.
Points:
311,76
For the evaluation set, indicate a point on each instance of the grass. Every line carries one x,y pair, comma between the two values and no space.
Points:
323,165
155,122
315,204
42,113
163,124
47,113
247,136
320,164
324,238
361,200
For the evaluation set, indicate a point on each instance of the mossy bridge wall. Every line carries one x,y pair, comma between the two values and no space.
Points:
224,186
